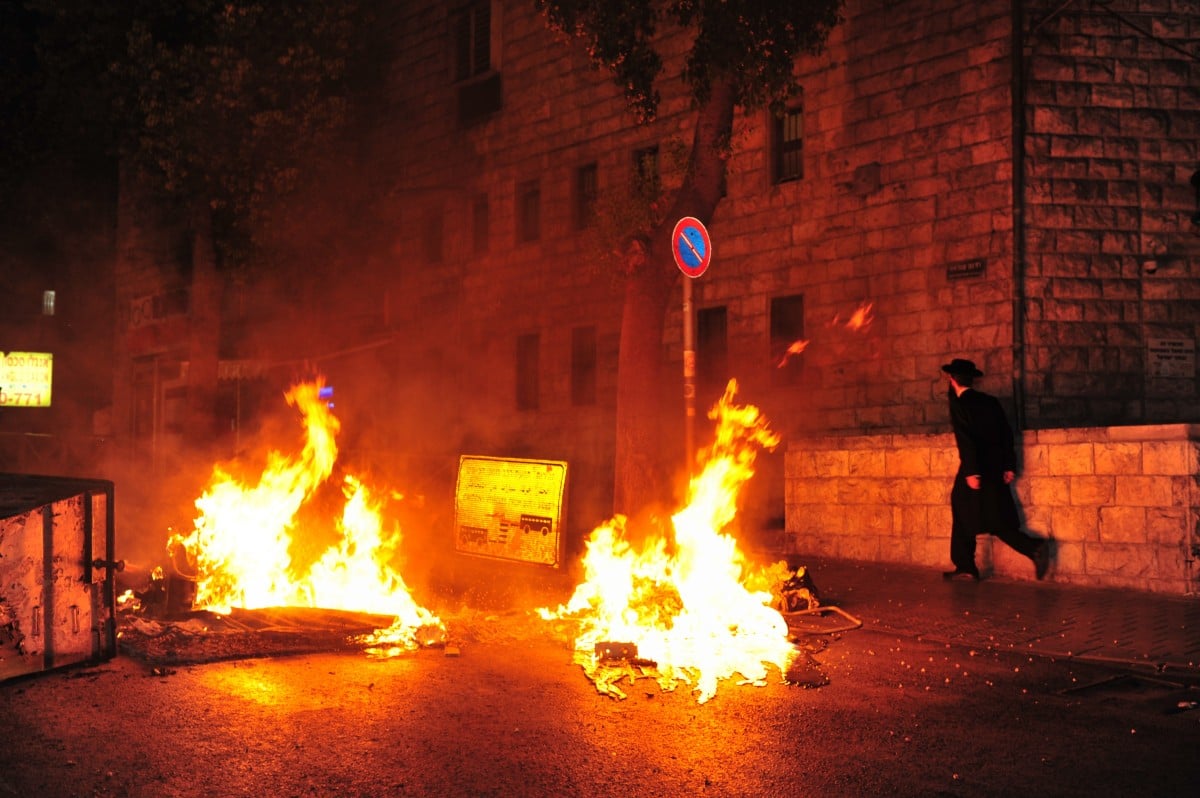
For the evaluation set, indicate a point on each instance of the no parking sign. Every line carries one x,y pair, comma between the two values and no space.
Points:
691,246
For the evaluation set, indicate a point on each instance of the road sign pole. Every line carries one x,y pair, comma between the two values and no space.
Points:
692,249
689,375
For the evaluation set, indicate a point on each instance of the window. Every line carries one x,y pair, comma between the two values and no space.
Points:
431,236
471,31
480,224
527,371
788,139
475,66
586,189
529,212
645,171
787,338
712,352
583,366
47,303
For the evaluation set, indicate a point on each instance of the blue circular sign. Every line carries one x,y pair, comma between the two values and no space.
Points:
691,246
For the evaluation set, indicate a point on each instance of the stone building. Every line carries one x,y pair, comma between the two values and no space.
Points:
1007,181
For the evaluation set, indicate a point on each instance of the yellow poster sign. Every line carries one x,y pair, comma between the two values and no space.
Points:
25,379
510,509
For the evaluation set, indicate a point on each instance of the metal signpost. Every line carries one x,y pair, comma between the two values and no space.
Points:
692,248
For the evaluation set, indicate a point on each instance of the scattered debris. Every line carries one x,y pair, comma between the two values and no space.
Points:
798,592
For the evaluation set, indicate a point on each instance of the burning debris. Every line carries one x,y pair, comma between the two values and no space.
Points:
254,577
249,551
798,592
689,609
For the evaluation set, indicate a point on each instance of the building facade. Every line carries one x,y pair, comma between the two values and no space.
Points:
1007,181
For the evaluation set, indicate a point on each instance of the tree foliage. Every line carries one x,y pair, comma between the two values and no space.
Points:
754,43
212,101
742,53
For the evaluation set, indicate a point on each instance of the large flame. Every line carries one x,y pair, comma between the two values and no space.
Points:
690,604
242,547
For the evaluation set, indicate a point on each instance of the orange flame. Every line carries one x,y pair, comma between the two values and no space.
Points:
862,317
242,542
795,349
685,603
859,320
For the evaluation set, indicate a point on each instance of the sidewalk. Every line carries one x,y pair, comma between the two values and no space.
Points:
1100,625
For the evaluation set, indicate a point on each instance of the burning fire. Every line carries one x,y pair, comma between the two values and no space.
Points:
795,349
243,545
859,321
690,606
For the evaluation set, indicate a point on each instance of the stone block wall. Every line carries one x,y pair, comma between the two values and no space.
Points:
1120,503
1110,289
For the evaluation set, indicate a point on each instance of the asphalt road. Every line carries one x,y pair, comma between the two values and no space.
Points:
512,715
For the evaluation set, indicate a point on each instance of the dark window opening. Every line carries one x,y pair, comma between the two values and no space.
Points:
586,191
431,236
712,354
480,224
529,212
788,138
645,171
471,29
583,366
527,371
480,90
787,338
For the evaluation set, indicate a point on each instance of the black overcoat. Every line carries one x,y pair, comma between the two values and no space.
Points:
985,447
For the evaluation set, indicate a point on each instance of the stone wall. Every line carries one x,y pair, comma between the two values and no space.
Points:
1120,503
1031,260
1111,128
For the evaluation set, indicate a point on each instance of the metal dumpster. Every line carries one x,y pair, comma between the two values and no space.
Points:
57,581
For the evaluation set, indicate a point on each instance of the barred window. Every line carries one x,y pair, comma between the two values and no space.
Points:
471,29
586,190
583,366
787,337
529,212
712,349
788,140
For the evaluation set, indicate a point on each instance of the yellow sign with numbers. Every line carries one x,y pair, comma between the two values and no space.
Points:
510,509
25,379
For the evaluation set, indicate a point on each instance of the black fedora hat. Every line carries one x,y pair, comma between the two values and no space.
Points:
966,368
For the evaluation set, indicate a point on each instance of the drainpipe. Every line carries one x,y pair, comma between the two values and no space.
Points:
1017,91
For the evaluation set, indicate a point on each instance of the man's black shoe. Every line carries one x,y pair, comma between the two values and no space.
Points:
951,576
1041,559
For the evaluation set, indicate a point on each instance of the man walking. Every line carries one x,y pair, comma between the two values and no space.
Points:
981,501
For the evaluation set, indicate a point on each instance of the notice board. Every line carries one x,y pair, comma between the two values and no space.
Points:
25,379
510,509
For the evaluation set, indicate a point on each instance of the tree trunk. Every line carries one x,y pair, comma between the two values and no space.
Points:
204,332
643,466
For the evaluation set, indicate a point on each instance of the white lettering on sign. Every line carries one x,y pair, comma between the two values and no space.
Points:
510,509
25,379
966,269
1171,358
